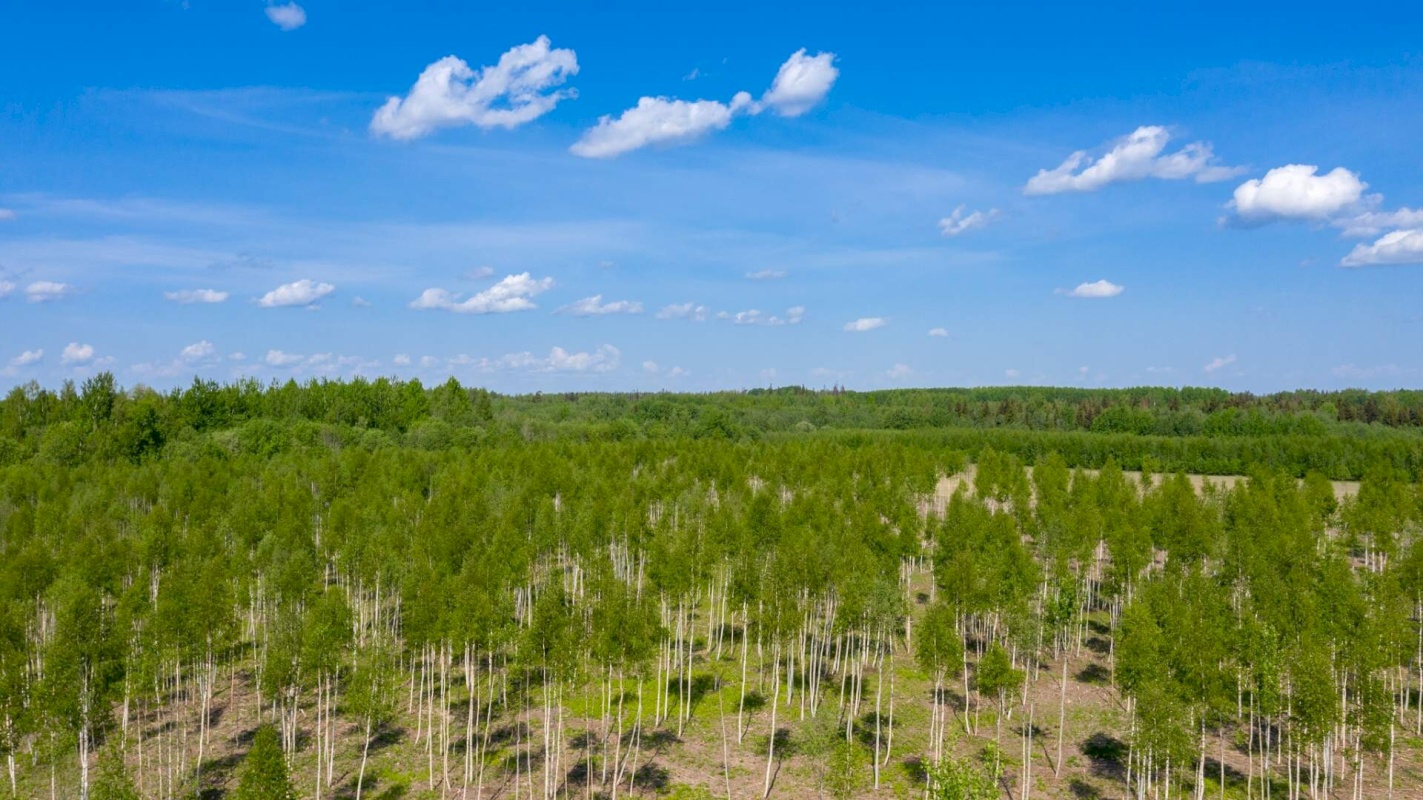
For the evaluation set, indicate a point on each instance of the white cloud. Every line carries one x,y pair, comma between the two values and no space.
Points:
1094,290
938,331
197,351
865,324
449,93
288,17
1219,362
304,292
594,306
427,362
1134,157
1295,191
277,358
899,372
604,359
360,302
190,296
1397,247
690,311
46,291
793,316
6,215
677,372
6,287
1372,223
959,222
510,294
27,358
401,360
801,83
656,120
479,273
650,367
76,353
766,274
1011,373
238,356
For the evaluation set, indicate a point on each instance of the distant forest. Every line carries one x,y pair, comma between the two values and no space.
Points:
1339,434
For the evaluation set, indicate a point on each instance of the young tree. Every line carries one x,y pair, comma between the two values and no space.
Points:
264,770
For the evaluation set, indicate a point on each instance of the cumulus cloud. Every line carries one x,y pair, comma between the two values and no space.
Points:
1296,191
1219,363
1094,290
401,360
766,274
76,353
517,90
801,83
304,292
865,324
656,120
1372,223
198,351
27,358
650,367
277,358
510,294
793,316
288,16
190,296
960,222
899,372
594,306
1137,156
47,291
690,311
938,332
1397,247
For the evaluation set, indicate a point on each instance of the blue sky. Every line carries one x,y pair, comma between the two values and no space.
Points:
578,198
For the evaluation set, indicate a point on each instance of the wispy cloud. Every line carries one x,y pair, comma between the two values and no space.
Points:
962,221
190,296
864,324
47,291
594,307
1220,362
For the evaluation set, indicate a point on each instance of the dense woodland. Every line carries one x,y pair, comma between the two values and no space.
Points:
381,590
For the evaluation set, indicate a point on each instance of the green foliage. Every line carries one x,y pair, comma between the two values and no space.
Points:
957,779
111,779
996,677
846,770
263,775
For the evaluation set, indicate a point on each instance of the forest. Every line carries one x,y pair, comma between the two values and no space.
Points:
379,589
